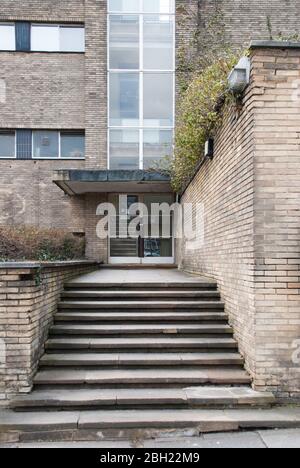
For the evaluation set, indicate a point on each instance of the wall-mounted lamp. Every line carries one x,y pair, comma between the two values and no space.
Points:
209,148
239,77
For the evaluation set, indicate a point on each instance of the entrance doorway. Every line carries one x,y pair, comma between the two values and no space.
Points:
144,248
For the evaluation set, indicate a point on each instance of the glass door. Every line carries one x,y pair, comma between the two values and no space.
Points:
158,238
153,241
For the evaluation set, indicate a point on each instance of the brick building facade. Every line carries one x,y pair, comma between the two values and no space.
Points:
253,252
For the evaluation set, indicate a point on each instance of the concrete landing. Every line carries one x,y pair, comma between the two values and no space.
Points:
137,276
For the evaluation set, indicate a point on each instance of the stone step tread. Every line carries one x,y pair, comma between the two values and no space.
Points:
121,285
205,420
144,343
144,396
141,316
136,293
141,304
168,329
148,376
145,359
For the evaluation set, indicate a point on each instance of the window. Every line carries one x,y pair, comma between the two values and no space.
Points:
124,42
71,39
158,42
7,144
7,37
51,144
45,144
72,145
141,72
124,149
158,99
42,144
157,145
57,38
145,6
124,99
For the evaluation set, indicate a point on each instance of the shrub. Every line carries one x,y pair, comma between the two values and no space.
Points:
31,243
199,115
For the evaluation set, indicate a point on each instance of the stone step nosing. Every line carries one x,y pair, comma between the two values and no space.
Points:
192,396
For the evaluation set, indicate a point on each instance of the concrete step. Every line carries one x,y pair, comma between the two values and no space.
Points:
166,343
145,329
141,359
145,423
142,305
165,375
144,285
148,397
156,317
140,294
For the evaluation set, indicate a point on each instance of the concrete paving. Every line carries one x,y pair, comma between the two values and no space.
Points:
139,275
286,438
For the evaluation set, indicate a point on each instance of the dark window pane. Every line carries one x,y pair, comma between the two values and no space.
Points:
23,33
24,144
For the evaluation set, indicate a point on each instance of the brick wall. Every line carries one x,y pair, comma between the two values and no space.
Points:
225,187
251,195
28,301
70,91
248,20
277,217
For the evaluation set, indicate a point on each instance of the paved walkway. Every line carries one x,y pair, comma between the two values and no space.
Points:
287,438
138,275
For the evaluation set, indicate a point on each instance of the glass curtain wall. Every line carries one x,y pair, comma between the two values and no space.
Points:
141,64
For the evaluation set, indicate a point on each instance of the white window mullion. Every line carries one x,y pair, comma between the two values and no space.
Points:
141,138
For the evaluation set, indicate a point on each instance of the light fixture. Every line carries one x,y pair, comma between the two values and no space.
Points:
239,77
209,148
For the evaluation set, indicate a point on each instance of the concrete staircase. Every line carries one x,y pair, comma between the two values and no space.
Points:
140,353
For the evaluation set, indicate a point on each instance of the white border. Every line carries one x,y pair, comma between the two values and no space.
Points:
141,71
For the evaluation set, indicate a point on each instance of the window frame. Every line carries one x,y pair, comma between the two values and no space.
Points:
8,132
141,71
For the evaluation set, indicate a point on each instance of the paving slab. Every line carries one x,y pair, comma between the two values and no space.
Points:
125,329
147,376
38,421
166,342
285,438
138,276
211,441
227,396
67,397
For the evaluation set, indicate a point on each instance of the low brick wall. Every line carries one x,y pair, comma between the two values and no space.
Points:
29,294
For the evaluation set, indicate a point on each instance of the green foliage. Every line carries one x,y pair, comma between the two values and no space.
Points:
199,115
31,243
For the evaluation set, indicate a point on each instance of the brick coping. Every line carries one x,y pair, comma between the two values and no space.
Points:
274,44
62,264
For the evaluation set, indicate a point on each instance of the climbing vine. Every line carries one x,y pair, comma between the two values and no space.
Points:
199,115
